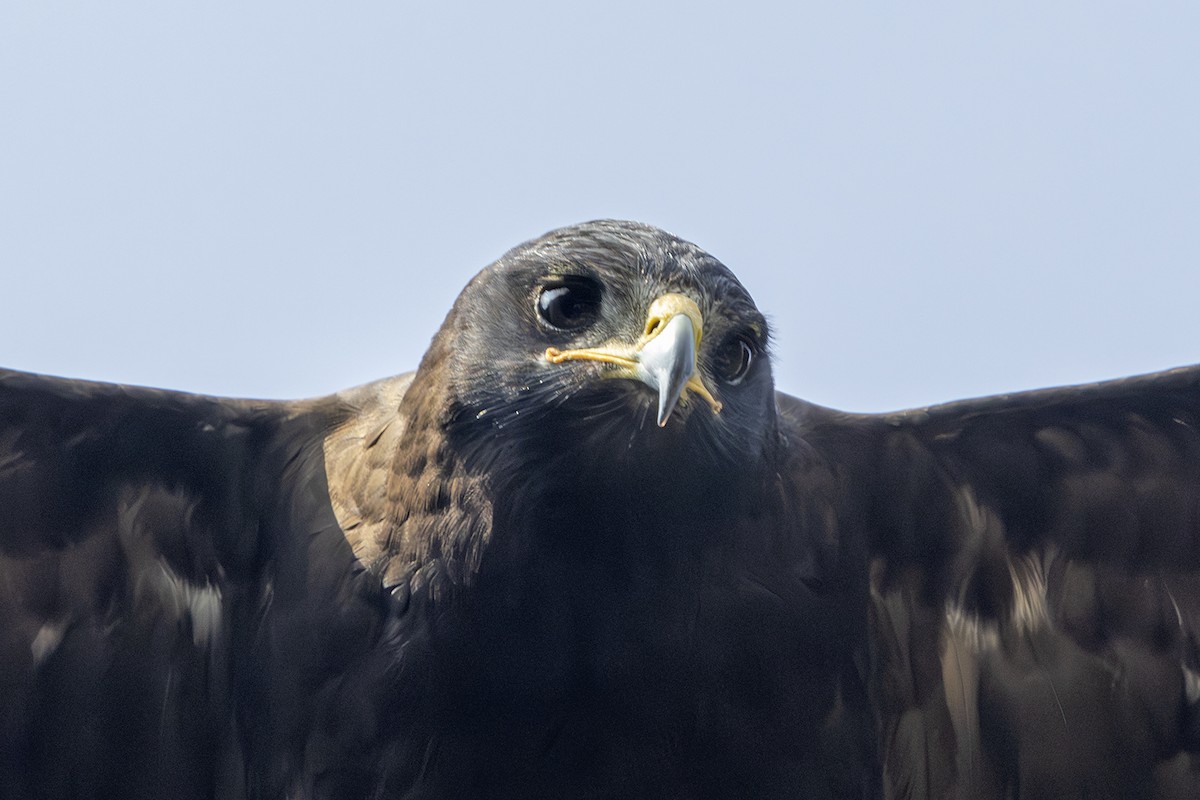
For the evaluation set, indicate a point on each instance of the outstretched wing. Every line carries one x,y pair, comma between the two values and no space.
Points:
1037,590
157,551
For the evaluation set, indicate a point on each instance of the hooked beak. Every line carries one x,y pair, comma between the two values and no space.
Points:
664,358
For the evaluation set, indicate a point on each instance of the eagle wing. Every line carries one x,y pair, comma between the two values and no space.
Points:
166,560
185,616
1036,593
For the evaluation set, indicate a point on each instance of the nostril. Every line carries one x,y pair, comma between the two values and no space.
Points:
653,325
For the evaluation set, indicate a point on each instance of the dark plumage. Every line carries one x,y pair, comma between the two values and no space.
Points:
500,577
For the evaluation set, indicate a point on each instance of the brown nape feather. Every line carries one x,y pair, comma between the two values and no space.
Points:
360,457
410,512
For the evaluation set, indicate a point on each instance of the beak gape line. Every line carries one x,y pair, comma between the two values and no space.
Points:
664,358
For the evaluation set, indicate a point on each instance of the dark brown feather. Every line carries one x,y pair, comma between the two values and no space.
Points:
1036,600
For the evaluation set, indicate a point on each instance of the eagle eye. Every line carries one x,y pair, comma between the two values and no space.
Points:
733,360
569,303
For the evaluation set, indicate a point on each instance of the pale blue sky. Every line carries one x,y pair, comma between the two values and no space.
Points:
282,199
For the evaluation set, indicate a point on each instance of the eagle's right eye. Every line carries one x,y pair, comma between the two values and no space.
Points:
569,303
733,360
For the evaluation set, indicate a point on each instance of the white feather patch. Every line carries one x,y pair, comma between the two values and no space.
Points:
200,604
49,636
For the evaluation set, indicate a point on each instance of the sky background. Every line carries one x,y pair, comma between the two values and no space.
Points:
929,200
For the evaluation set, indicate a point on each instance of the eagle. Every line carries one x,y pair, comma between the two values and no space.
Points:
587,550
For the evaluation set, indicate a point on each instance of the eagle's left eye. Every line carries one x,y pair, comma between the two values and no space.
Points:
733,360
569,304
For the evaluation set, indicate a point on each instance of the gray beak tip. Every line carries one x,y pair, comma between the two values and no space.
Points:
667,362
665,407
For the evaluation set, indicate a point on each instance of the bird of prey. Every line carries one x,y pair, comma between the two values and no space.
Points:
587,550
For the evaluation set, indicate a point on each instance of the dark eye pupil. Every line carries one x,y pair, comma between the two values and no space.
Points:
561,302
569,305
735,360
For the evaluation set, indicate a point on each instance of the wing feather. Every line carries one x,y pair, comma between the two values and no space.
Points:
140,531
1038,578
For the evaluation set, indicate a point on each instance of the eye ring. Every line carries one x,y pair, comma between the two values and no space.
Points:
569,303
734,359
